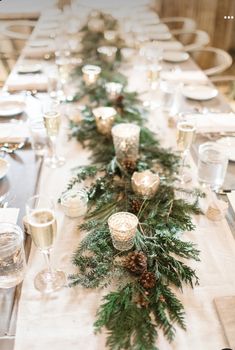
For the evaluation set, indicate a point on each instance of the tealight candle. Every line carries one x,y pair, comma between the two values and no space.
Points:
110,35
113,90
96,25
123,226
104,117
145,183
107,53
90,74
74,203
126,141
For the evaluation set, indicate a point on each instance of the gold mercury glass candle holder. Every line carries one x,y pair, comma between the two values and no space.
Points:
107,53
104,117
113,90
90,74
123,226
145,183
126,141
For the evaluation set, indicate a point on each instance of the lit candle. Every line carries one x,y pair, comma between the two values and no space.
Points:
110,35
74,203
145,183
113,90
104,117
126,141
123,226
90,74
107,53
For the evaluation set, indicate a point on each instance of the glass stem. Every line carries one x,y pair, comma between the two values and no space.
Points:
53,146
184,157
47,257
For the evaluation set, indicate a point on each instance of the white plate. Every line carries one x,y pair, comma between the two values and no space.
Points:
199,92
161,36
10,107
40,43
229,146
4,167
29,68
175,56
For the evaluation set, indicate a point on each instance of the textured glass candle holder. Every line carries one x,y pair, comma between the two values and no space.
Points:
107,53
123,226
113,90
104,117
74,203
126,141
145,183
110,35
90,74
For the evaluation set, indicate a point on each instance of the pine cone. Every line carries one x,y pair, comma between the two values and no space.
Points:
142,300
148,280
119,101
135,206
162,299
136,262
129,165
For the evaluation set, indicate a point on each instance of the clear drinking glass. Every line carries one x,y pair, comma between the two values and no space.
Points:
52,121
43,228
12,255
212,165
186,129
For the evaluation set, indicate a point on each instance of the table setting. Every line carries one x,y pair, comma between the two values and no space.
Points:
118,185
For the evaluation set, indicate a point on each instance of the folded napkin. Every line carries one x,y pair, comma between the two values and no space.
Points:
19,82
215,122
158,28
14,132
187,76
226,310
9,215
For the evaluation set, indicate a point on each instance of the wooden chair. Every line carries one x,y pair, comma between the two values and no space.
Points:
193,40
20,30
211,60
178,24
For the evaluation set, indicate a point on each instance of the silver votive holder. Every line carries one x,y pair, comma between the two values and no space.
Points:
90,74
107,53
96,25
126,141
74,203
123,227
104,117
111,36
145,183
113,90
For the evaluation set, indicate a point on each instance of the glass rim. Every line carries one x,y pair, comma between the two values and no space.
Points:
134,223
15,229
38,196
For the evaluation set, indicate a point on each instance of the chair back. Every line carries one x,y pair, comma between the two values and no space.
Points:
178,24
193,40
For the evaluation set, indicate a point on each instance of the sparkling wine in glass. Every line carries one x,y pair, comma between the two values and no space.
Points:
43,229
52,121
186,129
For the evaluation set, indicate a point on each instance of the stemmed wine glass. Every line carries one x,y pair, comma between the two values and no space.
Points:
52,121
186,129
43,228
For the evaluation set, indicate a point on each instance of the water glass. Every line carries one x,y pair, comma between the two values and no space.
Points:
39,138
12,255
212,165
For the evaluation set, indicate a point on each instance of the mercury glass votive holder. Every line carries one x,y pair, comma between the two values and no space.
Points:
107,53
126,141
123,226
104,117
90,74
113,90
74,202
96,25
145,183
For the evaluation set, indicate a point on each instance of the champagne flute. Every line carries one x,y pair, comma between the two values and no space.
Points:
52,121
43,227
186,129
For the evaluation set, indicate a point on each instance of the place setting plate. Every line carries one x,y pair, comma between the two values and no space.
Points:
228,142
175,56
199,92
11,106
29,68
40,43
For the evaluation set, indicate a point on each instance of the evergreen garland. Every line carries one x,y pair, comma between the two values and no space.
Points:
142,302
